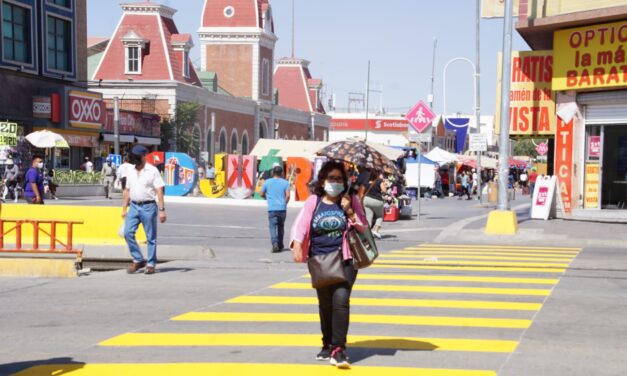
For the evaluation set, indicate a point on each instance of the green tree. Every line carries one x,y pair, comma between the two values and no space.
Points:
525,147
180,128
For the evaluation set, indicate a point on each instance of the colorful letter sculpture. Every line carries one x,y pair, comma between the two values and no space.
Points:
301,171
217,187
241,176
265,170
179,172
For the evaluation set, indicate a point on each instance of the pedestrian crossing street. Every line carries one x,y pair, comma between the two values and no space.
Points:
430,310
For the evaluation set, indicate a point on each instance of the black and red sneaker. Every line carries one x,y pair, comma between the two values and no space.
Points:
324,354
339,358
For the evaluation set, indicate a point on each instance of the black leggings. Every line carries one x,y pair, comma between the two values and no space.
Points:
334,305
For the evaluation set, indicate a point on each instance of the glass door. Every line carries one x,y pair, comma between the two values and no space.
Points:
592,180
614,162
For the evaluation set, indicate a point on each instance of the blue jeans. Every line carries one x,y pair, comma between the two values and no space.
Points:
147,216
276,221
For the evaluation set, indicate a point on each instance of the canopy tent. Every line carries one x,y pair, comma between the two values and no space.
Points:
517,163
441,156
471,161
308,149
287,148
423,160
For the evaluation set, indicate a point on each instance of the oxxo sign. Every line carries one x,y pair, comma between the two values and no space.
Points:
86,110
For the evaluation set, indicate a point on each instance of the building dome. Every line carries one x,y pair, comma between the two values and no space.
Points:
237,13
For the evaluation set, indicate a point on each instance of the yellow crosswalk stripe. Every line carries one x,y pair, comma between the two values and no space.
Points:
427,289
308,340
469,257
373,302
470,268
482,263
228,369
486,253
455,278
357,318
475,246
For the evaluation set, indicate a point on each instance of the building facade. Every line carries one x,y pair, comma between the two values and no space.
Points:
146,64
43,72
587,40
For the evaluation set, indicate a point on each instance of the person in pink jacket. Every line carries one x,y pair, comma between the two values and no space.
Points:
321,228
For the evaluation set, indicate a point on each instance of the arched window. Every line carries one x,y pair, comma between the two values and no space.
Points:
245,143
210,145
222,140
234,142
262,130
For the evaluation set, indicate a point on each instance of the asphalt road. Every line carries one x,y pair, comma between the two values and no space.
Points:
447,310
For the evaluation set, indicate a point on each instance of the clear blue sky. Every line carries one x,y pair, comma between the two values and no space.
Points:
339,36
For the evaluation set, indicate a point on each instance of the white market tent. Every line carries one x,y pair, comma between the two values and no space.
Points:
308,149
288,148
441,156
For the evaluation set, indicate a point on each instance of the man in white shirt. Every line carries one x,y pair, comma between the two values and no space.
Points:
88,166
123,171
144,194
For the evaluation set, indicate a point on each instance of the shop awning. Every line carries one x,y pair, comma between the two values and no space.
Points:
148,140
123,138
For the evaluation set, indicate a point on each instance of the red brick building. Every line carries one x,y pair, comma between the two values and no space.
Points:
146,64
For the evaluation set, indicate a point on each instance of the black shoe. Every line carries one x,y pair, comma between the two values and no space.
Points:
324,354
276,249
339,358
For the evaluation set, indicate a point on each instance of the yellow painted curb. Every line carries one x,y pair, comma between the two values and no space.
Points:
100,226
34,267
502,222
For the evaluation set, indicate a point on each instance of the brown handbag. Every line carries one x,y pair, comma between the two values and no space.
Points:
327,269
363,247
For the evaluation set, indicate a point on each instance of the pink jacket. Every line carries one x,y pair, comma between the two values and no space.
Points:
302,226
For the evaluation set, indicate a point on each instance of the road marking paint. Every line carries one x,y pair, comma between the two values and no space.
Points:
477,322
509,250
308,340
429,289
499,246
372,302
472,257
481,263
470,268
222,369
455,278
486,253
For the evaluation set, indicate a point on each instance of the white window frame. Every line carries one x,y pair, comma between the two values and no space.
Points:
265,77
127,58
186,70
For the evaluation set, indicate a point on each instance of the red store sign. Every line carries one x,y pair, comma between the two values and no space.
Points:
86,110
382,125
135,123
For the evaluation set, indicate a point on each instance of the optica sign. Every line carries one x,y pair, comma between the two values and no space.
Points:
591,57
86,110
564,162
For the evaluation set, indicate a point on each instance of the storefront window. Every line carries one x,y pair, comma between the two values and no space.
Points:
62,159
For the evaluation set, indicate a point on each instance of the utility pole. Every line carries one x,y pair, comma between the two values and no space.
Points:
293,25
478,93
367,100
431,96
503,203
116,125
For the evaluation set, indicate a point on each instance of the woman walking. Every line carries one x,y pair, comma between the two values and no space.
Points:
321,229
371,191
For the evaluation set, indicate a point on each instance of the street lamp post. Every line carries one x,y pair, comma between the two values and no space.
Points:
478,93
367,102
504,120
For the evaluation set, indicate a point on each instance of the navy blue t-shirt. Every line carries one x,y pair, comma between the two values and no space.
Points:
328,225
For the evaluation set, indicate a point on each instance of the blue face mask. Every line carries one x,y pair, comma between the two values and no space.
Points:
333,189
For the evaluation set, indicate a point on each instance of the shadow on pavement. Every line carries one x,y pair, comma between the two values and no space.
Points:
54,366
362,350
172,269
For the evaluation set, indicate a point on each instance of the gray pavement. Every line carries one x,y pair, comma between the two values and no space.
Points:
576,332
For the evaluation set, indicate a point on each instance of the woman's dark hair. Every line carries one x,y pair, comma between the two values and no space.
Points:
324,172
